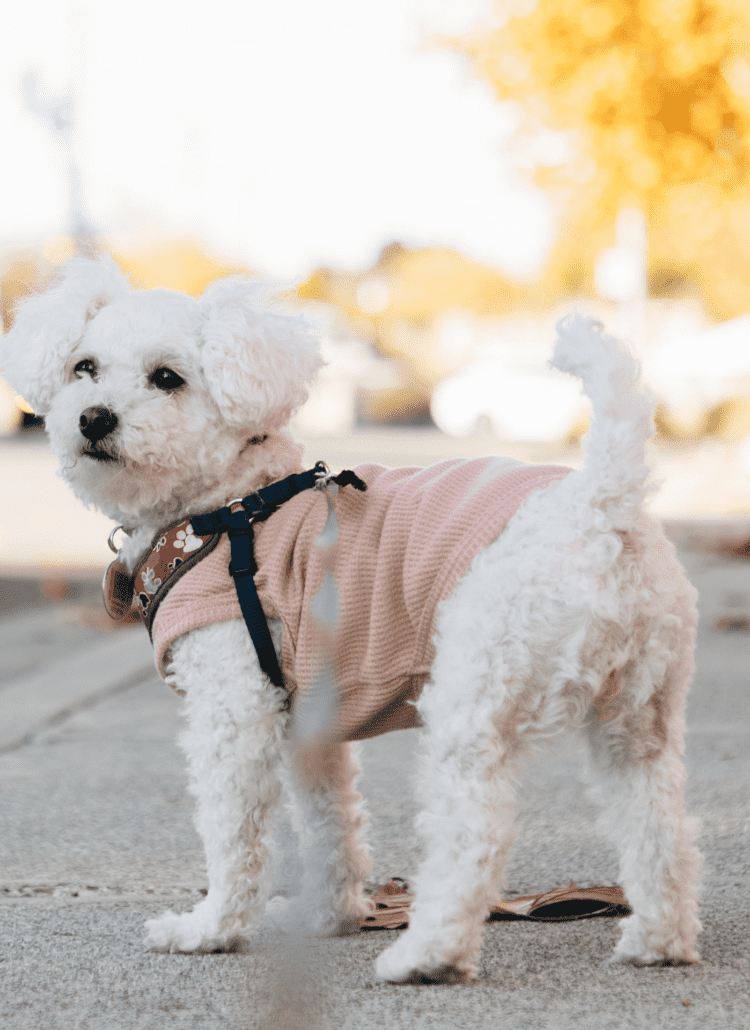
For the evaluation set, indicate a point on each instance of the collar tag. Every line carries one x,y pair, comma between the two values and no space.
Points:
117,588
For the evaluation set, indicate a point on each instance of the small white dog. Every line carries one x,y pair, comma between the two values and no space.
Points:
578,614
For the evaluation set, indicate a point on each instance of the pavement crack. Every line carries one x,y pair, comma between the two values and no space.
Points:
90,891
62,715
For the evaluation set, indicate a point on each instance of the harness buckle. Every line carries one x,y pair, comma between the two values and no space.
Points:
255,496
239,573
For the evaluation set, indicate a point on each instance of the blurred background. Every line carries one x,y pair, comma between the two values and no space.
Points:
435,182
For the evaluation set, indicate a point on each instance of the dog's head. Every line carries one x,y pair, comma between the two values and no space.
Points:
149,394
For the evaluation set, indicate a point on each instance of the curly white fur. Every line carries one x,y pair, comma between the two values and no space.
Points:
578,615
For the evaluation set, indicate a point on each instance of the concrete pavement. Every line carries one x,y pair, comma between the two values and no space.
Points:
96,832
96,836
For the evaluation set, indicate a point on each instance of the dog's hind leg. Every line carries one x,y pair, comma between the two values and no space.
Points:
466,828
233,743
638,757
330,819
467,794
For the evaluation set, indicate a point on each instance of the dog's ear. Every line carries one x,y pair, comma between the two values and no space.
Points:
47,327
258,358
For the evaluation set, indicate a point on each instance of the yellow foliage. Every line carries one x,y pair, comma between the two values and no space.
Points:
22,273
697,240
673,426
429,281
332,287
655,98
667,76
57,249
402,402
174,265
417,288
421,285
730,420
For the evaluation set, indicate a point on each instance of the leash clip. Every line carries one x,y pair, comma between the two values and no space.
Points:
111,539
323,475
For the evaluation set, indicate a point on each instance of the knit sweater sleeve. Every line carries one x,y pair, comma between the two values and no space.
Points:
204,595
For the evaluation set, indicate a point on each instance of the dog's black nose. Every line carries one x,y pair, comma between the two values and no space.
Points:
96,423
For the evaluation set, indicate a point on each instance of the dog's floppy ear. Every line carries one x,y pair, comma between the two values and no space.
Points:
47,327
258,358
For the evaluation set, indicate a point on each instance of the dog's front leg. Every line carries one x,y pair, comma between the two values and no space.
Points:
329,817
233,742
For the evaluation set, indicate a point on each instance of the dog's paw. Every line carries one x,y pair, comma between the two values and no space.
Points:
399,964
286,914
636,947
301,915
189,932
687,957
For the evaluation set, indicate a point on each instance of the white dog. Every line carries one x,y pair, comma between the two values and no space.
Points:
161,407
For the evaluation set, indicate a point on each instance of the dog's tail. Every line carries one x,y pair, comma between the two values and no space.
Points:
614,477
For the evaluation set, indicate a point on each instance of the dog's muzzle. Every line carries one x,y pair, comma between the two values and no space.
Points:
96,423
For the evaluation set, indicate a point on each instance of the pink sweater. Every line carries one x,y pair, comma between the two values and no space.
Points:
403,546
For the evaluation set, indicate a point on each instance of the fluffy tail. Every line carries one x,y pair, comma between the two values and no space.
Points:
614,477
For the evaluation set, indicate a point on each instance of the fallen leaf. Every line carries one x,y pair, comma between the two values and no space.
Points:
392,902
733,622
564,904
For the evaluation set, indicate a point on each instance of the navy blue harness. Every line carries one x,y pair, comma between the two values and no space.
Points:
257,507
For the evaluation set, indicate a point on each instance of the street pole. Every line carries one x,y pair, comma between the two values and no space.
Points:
631,233
59,114
621,274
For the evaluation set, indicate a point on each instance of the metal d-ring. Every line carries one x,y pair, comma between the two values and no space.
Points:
241,500
111,539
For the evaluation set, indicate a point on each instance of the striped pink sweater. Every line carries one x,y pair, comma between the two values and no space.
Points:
403,546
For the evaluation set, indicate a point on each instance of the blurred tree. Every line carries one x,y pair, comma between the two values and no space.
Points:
21,273
397,304
416,286
653,99
174,265
407,291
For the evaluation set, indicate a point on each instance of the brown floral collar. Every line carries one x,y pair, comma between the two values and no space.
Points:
173,552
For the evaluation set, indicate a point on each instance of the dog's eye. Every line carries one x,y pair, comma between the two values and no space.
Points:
87,367
166,379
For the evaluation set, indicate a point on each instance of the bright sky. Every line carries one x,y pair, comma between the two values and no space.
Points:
283,133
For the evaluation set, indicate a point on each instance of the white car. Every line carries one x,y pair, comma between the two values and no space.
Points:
520,404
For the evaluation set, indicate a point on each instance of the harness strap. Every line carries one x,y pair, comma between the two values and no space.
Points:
242,568
196,537
257,507
262,503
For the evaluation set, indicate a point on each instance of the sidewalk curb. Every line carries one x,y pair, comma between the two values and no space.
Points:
40,698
